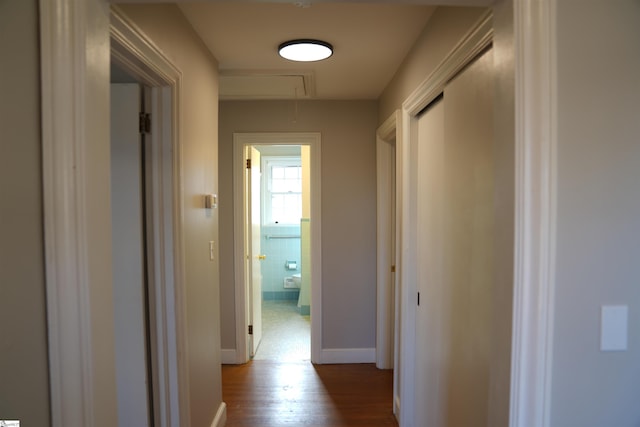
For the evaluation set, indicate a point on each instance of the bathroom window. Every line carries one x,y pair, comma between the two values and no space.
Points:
283,191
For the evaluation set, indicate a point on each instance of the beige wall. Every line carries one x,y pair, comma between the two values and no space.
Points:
348,209
598,211
23,343
445,28
166,26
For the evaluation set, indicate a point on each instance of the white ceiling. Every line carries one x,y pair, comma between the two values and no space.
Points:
370,40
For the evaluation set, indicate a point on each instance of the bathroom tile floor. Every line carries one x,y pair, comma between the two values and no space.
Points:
285,333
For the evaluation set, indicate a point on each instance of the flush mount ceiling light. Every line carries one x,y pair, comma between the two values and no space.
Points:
305,50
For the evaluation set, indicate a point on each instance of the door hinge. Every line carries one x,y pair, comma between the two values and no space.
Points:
248,163
418,298
145,123
393,268
250,329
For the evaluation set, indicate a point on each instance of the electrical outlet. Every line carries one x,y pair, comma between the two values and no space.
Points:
211,249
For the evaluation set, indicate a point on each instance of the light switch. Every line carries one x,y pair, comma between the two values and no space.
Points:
613,333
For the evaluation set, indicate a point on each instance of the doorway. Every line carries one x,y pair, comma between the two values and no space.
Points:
388,213
277,251
282,230
155,170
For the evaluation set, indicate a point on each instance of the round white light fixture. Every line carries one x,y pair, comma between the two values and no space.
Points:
305,50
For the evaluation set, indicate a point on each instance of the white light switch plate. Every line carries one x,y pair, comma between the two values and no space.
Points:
613,332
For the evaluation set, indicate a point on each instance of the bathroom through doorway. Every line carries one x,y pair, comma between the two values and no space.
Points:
280,240
285,300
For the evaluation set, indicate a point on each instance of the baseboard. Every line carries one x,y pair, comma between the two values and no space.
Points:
228,356
221,416
348,355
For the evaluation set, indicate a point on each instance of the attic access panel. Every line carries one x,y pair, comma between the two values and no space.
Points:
265,86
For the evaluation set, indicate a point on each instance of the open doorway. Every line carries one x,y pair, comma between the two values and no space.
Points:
146,188
277,257
388,293
284,248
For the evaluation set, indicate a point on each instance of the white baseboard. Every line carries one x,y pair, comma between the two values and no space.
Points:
348,355
228,356
221,416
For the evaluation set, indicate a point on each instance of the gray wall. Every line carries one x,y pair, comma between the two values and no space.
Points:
443,31
23,332
168,29
348,209
598,211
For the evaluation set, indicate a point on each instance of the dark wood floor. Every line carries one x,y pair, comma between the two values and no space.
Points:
272,394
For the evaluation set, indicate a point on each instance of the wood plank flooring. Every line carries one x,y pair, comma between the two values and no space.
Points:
272,394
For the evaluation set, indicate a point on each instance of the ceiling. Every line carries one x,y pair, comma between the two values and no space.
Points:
370,40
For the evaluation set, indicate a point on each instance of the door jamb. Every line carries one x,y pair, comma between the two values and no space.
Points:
385,141
388,300
313,139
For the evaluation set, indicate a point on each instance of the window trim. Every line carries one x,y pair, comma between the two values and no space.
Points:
266,162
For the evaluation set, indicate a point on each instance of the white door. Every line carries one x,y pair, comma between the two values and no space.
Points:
128,257
432,307
455,251
253,223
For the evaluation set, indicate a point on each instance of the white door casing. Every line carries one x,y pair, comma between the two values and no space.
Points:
535,211
388,183
136,54
386,234
240,141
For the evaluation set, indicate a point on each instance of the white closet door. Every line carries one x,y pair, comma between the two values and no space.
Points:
468,250
455,251
433,308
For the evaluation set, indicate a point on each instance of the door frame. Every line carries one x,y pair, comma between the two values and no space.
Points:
388,241
137,55
241,140
78,41
536,141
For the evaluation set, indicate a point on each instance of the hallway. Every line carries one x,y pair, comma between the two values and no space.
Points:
272,394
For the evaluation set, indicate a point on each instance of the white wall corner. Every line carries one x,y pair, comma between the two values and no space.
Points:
229,356
348,355
220,419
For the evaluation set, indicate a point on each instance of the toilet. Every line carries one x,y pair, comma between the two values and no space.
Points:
297,279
